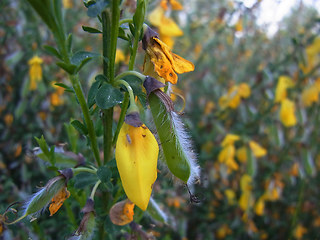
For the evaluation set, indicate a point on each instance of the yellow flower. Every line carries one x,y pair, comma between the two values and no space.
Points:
58,200
257,150
223,231
56,97
284,82
239,25
35,71
259,207
300,231
226,156
175,5
287,113
8,119
229,139
120,57
208,108
67,4
136,156
233,98
246,200
312,56
246,183
166,25
294,171
166,64
231,196
241,154
310,95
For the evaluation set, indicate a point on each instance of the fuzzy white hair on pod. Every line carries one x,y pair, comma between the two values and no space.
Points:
186,147
32,198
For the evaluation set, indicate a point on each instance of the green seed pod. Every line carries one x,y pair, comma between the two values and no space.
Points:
42,198
175,142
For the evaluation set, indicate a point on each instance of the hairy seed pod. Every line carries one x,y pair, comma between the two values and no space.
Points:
174,140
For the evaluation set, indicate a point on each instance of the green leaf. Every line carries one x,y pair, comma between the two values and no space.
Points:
84,179
52,51
69,68
108,96
90,29
138,17
155,211
52,156
80,127
102,78
69,42
92,93
95,9
104,174
44,147
122,34
81,56
67,88
132,29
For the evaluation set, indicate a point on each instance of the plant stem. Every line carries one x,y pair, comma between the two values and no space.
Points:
93,192
129,89
85,110
83,169
134,49
127,73
127,20
125,105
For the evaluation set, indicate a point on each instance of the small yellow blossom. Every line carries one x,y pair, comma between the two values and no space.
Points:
8,119
120,57
233,98
294,171
223,231
229,139
166,64
246,200
175,5
300,231
35,71
56,98
241,154
312,56
284,82
259,207
246,183
58,200
231,196
257,150
239,25
67,4
310,95
226,156
287,113
209,107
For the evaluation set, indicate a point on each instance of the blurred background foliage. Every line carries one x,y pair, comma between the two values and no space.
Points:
251,106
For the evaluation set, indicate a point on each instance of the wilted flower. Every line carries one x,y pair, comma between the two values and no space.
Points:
122,213
165,63
35,71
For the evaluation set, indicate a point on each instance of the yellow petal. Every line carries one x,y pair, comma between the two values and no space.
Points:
259,207
245,183
257,150
136,156
287,113
179,64
284,82
241,154
169,27
155,16
58,200
310,95
244,90
229,139
175,5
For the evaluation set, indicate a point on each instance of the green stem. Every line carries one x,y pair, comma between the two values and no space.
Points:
134,49
114,37
126,20
15,221
125,105
93,192
127,73
129,89
298,207
83,169
85,110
